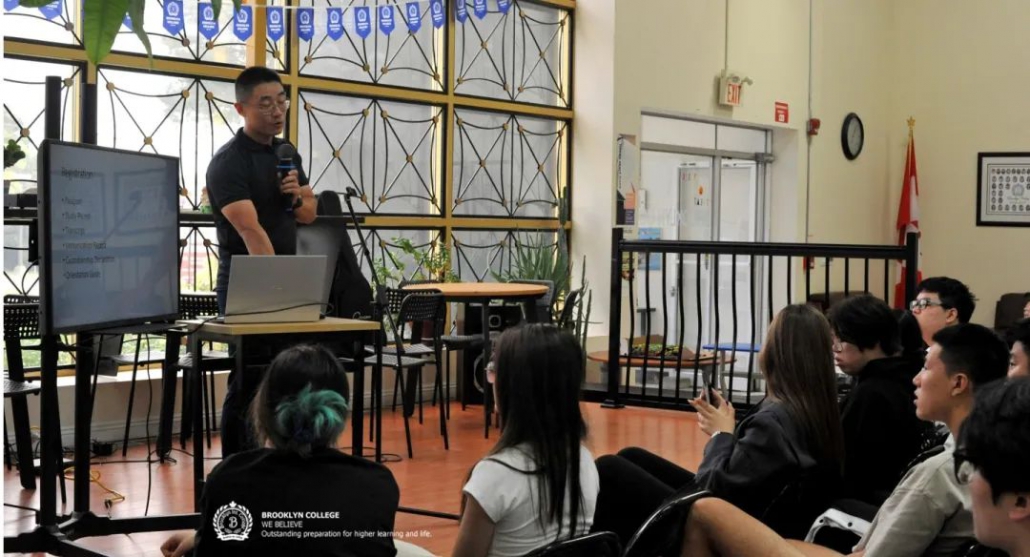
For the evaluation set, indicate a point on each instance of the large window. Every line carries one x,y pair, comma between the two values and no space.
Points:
454,133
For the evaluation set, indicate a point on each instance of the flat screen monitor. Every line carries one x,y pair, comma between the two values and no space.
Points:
109,237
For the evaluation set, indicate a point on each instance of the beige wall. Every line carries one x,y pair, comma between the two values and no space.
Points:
882,59
962,69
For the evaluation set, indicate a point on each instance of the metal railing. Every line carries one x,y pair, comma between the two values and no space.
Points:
714,339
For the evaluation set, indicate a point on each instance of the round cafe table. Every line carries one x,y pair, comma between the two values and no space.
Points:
483,293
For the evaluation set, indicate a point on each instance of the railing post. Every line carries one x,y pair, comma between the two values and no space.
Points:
911,266
614,322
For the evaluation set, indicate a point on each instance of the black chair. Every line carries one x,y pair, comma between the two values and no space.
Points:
597,544
568,310
842,525
419,308
21,322
539,310
194,306
974,549
135,359
661,533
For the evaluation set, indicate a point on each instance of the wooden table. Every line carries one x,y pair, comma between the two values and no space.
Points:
244,334
483,293
686,363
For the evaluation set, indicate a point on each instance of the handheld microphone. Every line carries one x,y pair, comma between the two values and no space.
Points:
285,152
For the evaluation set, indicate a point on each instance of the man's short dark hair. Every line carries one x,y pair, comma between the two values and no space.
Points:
996,436
865,321
974,350
953,294
251,78
1020,332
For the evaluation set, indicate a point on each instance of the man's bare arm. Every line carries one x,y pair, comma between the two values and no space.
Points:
243,217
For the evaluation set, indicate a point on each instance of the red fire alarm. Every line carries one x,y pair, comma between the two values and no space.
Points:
813,126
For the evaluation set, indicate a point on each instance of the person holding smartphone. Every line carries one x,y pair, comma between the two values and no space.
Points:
789,444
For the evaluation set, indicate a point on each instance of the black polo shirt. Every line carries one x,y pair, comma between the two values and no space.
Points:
245,169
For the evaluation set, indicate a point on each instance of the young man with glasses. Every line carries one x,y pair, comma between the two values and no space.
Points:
928,512
255,212
993,460
941,302
881,430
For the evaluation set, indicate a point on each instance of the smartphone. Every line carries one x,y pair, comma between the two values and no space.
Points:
706,391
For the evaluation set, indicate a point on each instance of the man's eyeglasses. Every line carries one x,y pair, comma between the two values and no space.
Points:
963,468
838,346
923,303
268,108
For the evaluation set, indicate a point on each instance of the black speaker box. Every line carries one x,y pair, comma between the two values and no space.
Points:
501,318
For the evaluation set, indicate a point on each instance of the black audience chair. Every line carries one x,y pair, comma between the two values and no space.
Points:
568,310
539,310
662,532
847,520
419,308
21,322
194,306
597,544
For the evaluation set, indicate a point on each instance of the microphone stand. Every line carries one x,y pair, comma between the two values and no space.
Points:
381,311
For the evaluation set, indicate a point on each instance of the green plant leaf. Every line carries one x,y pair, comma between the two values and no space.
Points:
217,6
34,3
136,14
100,24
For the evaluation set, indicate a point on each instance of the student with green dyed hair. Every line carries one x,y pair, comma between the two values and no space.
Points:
299,494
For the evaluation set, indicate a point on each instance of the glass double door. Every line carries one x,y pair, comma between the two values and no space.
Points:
699,198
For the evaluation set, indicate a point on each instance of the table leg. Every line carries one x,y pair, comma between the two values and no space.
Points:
196,409
169,374
488,391
357,414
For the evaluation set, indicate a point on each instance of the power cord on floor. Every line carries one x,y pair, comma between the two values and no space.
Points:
94,477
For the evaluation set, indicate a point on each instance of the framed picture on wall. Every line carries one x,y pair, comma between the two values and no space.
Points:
1003,189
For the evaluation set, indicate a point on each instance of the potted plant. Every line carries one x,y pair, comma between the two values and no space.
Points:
12,154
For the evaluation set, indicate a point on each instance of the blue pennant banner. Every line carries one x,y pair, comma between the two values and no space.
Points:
439,14
10,4
127,22
334,26
413,16
243,22
206,23
362,22
386,23
51,10
504,6
306,24
479,8
461,11
173,16
274,23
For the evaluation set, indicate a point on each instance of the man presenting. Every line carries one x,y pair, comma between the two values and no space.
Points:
256,210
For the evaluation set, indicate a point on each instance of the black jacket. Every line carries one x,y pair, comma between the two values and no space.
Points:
881,430
267,502
768,468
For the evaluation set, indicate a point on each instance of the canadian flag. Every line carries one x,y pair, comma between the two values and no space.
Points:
908,216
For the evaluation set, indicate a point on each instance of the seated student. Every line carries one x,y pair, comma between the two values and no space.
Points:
993,459
941,302
927,514
299,412
912,346
1019,355
793,434
538,484
881,430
